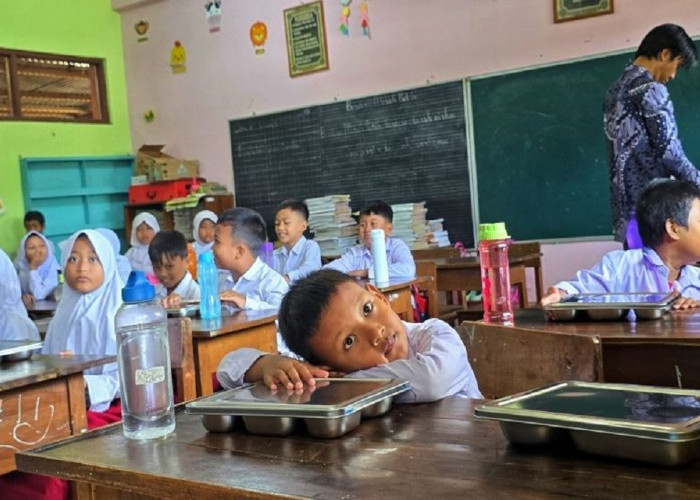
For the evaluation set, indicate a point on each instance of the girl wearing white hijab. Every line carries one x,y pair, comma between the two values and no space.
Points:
14,321
203,231
38,268
84,319
123,264
143,228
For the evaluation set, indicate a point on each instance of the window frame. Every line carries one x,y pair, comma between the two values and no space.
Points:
98,101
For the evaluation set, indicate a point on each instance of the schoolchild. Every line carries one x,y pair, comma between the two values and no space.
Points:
168,253
14,320
296,257
143,228
38,268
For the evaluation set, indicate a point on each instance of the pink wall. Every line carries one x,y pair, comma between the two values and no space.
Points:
413,42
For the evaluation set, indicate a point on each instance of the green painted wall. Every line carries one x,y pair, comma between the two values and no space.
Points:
88,28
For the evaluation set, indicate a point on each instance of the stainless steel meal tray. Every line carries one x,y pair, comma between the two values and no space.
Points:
651,424
611,306
190,310
332,408
18,350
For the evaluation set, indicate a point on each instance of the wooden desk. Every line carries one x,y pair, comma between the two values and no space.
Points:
41,400
213,339
42,309
536,351
421,451
398,293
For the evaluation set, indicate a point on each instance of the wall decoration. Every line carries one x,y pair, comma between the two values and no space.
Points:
364,18
141,29
2,207
570,10
178,57
258,35
305,30
213,8
149,116
344,16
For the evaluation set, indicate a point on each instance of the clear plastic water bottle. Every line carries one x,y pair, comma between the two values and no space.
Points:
495,273
143,356
208,275
267,250
379,260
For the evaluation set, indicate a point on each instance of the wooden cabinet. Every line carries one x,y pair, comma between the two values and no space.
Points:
181,218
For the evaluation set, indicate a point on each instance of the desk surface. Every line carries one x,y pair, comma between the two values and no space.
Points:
395,284
42,367
236,322
416,451
473,262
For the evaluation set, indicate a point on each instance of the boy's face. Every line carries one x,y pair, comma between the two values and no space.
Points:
84,271
170,270
33,225
289,226
359,330
206,231
229,253
373,221
145,233
689,238
35,250
666,67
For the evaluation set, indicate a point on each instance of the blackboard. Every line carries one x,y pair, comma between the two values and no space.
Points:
399,147
540,150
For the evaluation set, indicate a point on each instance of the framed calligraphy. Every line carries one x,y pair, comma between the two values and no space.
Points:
306,39
570,10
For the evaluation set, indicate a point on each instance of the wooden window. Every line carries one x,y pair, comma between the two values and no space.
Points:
51,87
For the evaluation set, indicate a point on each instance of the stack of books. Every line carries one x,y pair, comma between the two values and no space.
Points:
438,236
330,219
410,224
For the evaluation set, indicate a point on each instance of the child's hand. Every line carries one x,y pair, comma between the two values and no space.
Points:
28,299
234,298
283,372
685,303
172,301
552,296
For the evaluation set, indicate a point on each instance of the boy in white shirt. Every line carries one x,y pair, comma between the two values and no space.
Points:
297,257
168,254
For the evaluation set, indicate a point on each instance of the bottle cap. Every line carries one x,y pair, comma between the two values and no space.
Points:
137,288
206,257
493,231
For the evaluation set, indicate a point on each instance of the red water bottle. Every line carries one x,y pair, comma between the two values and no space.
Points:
495,273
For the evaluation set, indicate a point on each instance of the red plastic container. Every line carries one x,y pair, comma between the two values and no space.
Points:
495,273
158,192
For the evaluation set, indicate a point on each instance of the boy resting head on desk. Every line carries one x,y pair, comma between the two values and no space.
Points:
337,323
168,254
668,215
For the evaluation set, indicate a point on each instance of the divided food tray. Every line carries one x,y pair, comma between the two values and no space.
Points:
18,350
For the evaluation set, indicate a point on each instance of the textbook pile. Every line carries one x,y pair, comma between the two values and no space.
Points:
438,235
410,224
330,219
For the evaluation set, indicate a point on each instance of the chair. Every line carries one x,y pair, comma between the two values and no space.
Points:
182,359
530,248
426,271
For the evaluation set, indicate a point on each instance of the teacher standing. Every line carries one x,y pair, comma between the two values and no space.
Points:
640,125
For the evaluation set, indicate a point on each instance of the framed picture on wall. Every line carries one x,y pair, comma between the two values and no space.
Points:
570,10
305,31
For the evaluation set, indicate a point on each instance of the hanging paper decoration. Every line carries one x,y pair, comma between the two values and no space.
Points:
2,207
178,56
141,29
258,35
344,16
149,116
364,18
213,9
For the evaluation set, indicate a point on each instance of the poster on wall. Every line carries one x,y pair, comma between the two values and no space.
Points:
213,8
141,28
306,39
178,58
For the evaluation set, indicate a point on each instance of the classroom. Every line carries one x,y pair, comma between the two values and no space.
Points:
514,102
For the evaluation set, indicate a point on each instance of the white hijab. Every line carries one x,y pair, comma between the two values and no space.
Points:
84,322
14,321
199,246
123,264
48,270
138,253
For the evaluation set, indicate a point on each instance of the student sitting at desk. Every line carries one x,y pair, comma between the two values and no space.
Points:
252,284
358,260
168,253
332,320
14,320
38,268
668,215
297,257
143,229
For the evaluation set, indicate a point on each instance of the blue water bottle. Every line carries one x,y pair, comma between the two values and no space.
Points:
208,276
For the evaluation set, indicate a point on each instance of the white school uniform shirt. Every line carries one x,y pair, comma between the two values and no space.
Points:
437,365
14,320
187,288
297,263
138,253
123,264
42,281
398,255
199,246
262,286
84,323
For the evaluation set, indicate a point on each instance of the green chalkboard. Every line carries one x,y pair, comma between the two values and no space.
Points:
540,150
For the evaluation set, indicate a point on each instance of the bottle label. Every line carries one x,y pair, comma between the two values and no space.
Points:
152,375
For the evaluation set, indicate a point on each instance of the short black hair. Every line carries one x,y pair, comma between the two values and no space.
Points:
380,208
303,306
247,225
34,215
662,200
170,243
671,37
295,206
